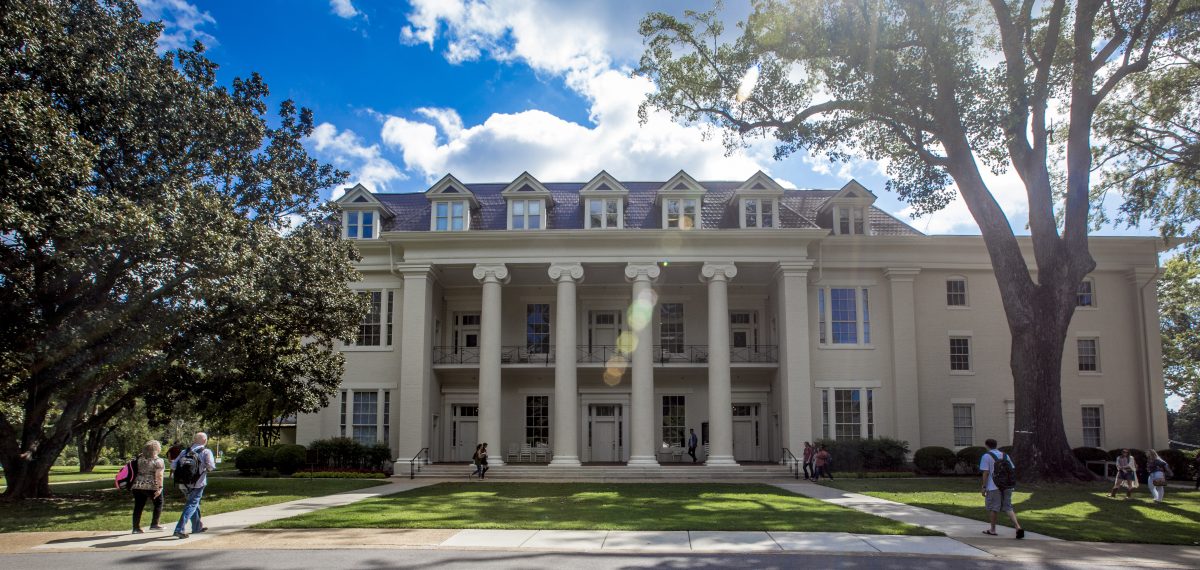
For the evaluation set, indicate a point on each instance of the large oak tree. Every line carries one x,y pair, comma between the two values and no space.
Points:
148,246
941,89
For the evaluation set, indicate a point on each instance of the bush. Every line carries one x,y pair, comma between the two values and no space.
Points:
340,475
1178,462
879,454
289,458
377,456
934,460
254,460
338,452
968,458
1138,456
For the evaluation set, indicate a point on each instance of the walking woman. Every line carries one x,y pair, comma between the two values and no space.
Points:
475,461
148,486
483,459
1126,475
1157,480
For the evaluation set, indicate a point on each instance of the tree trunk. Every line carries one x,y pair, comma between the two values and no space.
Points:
90,444
27,479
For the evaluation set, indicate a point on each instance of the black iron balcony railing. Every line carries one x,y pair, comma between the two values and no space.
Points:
602,354
767,353
605,354
680,353
527,354
456,355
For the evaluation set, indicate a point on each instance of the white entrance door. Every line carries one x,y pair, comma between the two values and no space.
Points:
743,336
605,436
745,432
464,431
466,337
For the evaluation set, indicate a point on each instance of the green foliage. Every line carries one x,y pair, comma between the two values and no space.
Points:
255,460
1184,424
968,457
878,454
1179,321
340,475
289,458
1090,454
344,452
934,460
1179,462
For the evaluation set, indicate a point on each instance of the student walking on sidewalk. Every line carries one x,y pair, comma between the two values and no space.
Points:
999,480
191,470
148,486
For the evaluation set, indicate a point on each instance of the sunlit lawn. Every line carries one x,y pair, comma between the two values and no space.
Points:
96,505
582,506
1071,512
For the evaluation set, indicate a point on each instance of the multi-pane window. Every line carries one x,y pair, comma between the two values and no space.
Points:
845,316
1089,354
682,212
365,417
964,424
758,213
956,292
526,214
360,225
450,216
850,221
866,318
852,411
604,213
387,415
821,316
825,414
843,221
391,296
537,328
370,327
1086,296
847,313
673,418
342,415
960,353
537,420
671,327
1093,426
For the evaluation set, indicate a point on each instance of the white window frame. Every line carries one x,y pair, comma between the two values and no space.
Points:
1098,428
1091,282
450,217
1079,354
866,412
856,219
683,213
954,408
761,205
604,224
862,317
966,292
354,414
959,335
525,215
662,419
387,300
528,416
356,216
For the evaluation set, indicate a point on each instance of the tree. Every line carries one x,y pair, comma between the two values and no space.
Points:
145,232
1185,423
914,83
1179,314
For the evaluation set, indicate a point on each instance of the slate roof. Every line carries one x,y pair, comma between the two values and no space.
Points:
797,208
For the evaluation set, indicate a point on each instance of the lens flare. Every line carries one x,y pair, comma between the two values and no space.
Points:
626,342
641,312
615,370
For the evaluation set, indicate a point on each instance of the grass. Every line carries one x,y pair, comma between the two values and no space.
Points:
1072,512
586,506
96,505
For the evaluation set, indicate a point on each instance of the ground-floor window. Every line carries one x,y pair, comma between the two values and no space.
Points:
673,421
964,424
1093,426
366,410
537,420
852,411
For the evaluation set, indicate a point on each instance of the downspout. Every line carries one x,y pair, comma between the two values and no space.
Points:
1146,346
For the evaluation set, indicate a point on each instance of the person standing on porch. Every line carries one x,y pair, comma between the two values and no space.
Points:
692,444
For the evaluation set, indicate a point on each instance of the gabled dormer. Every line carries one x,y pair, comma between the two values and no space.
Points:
527,201
450,205
680,200
362,213
847,211
604,201
758,202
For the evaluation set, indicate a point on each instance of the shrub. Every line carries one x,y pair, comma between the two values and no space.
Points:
289,458
340,475
879,454
377,456
933,460
254,460
968,457
1178,462
338,452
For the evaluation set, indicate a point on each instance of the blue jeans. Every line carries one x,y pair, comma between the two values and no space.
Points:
191,510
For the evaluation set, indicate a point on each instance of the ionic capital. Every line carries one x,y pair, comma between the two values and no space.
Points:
566,271
717,270
491,272
642,271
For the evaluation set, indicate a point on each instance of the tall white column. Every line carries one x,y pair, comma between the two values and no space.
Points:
566,388
1144,280
642,431
795,373
720,395
492,276
416,366
905,392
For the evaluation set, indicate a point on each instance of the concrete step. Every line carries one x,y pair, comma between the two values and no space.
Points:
522,472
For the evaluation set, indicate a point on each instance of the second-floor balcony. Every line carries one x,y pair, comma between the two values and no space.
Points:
543,355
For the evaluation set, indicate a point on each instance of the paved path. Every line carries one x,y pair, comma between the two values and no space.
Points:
950,525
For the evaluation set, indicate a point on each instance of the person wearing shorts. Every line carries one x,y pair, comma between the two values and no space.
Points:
995,499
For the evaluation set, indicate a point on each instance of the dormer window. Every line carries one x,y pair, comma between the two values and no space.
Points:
758,213
526,214
850,221
450,215
359,225
604,202
682,212
604,213
847,211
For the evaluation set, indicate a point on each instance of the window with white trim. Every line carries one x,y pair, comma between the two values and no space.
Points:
674,416
604,213
846,318
450,215
537,328
537,420
852,411
371,329
682,213
1093,426
1086,296
849,221
670,327
960,354
359,224
365,417
526,214
758,213
956,292
342,414
1089,354
964,425
387,415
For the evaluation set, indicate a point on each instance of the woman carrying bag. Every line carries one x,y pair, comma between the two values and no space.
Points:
1159,471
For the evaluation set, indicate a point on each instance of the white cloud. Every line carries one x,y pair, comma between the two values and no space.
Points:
343,8
955,218
447,119
348,152
181,23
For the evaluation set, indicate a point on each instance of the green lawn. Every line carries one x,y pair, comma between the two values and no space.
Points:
1071,512
95,505
582,506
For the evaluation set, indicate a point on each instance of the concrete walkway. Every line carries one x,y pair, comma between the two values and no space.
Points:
950,525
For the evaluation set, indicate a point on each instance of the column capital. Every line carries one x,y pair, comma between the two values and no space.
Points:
488,272
642,271
717,271
901,273
794,268
564,271
413,269
1142,275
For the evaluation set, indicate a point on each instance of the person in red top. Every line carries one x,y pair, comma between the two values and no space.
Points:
809,452
822,459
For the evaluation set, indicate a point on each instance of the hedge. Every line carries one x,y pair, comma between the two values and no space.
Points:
339,475
968,457
347,453
254,460
289,458
934,460
1178,461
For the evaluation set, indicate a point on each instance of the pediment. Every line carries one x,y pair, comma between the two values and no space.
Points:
759,185
852,194
603,184
526,186
360,198
681,184
450,187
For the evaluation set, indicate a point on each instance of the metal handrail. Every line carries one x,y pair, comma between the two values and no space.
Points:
601,354
455,355
528,354
795,468
754,353
412,463
692,353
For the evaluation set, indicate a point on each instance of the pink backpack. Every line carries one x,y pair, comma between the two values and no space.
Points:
125,477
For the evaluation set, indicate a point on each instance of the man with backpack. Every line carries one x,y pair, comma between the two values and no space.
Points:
999,480
190,470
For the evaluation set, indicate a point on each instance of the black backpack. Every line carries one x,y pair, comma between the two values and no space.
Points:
188,468
1003,473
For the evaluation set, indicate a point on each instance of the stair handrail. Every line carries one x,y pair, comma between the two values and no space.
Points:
795,463
412,463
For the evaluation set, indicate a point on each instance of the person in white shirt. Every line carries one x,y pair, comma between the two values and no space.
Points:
996,499
194,491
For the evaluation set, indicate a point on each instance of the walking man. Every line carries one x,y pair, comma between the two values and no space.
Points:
692,444
998,480
191,475
809,472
